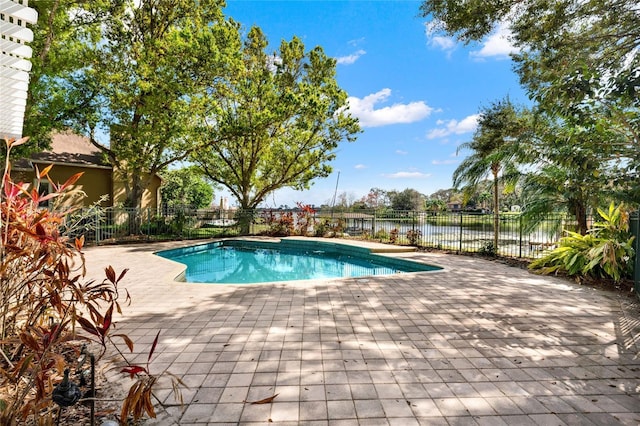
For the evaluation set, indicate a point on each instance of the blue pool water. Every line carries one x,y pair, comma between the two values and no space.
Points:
243,262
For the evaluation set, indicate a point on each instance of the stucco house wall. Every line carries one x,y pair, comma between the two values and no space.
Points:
71,154
150,196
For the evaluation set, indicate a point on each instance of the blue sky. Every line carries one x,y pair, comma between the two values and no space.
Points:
416,94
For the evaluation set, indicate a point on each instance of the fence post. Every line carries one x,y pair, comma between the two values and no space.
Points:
520,233
460,246
373,224
97,228
148,223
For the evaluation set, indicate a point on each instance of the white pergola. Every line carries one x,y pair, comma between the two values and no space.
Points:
14,64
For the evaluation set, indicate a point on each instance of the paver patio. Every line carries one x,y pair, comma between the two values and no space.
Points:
478,343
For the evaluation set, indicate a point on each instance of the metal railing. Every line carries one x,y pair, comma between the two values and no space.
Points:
459,232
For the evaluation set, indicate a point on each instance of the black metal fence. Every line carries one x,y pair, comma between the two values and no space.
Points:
460,232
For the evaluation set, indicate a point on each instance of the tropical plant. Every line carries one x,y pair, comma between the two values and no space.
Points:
393,235
305,218
499,126
488,249
47,310
382,234
322,228
567,173
605,251
280,223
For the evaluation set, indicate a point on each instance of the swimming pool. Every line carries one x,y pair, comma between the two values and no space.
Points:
249,261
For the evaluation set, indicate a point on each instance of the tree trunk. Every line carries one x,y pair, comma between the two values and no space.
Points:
245,217
134,203
581,217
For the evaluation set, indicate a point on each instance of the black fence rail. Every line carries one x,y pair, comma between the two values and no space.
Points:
120,225
460,232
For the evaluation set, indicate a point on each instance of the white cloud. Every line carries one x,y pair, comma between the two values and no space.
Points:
454,127
444,43
350,59
407,175
365,110
401,152
359,166
497,45
443,162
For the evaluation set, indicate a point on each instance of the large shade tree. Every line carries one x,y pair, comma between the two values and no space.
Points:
61,45
279,122
144,81
491,154
407,199
186,187
577,59
607,31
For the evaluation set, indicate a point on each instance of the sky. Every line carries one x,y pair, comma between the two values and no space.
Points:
416,94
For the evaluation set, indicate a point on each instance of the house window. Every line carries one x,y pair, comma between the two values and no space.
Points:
45,188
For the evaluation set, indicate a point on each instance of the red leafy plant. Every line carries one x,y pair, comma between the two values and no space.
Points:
280,224
47,310
305,218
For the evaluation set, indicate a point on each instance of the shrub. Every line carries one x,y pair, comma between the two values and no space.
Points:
393,235
322,228
382,234
280,223
304,218
414,236
488,249
605,251
46,310
337,227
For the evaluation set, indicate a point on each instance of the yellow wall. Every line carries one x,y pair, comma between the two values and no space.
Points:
150,197
94,183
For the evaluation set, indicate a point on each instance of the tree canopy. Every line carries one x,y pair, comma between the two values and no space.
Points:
279,122
407,199
142,81
186,187
61,44
578,60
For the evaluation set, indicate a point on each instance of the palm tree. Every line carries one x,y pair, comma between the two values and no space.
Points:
568,172
499,126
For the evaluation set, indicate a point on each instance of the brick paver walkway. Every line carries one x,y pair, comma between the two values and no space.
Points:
478,343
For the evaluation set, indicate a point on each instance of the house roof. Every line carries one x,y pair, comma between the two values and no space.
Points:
68,149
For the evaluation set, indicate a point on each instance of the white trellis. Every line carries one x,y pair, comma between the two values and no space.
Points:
14,64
